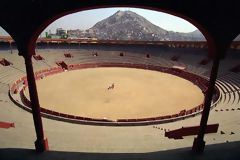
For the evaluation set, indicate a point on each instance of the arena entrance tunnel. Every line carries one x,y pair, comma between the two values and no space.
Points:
31,22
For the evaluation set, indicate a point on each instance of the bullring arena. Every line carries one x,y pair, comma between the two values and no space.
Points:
80,112
136,93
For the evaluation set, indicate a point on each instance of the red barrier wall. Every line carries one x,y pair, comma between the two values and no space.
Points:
197,80
192,130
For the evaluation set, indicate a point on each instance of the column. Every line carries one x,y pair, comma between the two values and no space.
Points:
199,143
10,45
41,144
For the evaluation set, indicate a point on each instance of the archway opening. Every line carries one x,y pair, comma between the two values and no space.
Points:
149,46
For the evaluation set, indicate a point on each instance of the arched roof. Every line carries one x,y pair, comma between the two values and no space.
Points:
24,20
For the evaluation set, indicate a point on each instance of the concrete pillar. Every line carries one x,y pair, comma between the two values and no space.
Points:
199,143
41,144
10,45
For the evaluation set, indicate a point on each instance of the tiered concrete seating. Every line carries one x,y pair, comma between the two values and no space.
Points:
228,84
230,87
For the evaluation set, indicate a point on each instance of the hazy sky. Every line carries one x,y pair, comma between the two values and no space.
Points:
86,19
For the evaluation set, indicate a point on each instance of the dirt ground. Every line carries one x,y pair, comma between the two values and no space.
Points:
137,93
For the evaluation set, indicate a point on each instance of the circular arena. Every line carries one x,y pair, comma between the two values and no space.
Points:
116,93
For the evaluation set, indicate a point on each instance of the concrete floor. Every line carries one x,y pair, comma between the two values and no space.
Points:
224,151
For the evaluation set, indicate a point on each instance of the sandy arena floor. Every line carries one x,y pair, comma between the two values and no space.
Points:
137,93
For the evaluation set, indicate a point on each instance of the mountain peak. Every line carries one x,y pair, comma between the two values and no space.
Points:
125,16
128,25
119,12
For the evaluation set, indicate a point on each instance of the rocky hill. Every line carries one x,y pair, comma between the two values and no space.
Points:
237,38
3,32
127,25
